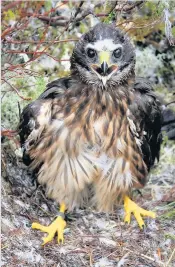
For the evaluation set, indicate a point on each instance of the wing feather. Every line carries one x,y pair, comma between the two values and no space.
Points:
146,114
37,115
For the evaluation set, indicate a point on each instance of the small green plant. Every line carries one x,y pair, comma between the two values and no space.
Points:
110,17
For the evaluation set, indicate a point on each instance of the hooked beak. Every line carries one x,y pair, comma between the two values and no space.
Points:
104,70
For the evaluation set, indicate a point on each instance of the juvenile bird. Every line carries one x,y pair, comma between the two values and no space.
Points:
93,136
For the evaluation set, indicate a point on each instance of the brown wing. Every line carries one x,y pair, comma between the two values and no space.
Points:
147,117
37,114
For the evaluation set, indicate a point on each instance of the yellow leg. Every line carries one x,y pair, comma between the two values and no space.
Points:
131,207
56,226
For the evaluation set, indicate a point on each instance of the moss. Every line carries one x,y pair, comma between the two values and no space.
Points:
169,236
170,212
10,111
168,215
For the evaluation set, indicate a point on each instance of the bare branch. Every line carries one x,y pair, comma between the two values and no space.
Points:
128,7
11,5
9,40
16,90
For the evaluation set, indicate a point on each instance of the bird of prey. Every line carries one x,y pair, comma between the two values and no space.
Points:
93,136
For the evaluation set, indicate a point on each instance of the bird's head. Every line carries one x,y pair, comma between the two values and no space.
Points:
104,56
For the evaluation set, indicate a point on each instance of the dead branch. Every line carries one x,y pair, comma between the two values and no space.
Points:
9,133
128,7
16,90
11,5
9,40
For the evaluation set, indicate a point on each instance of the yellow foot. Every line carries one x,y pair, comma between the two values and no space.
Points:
56,226
131,207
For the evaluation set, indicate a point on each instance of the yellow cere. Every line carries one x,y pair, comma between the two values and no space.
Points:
104,56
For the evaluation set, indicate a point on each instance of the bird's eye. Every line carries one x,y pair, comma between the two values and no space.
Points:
91,53
117,52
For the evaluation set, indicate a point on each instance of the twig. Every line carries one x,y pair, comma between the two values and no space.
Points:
34,53
168,262
16,90
78,9
146,257
11,5
19,109
114,253
147,25
172,102
9,133
91,258
77,250
55,21
129,7
6,246
37,42
65,21
42,39
47,213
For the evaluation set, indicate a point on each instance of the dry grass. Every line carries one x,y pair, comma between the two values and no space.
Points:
91,238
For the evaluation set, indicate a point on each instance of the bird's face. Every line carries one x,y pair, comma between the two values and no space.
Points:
104,56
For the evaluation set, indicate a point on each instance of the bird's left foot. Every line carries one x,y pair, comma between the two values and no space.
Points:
131,207
56,227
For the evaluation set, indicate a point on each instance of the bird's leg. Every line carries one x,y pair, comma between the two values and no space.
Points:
131,207
57,226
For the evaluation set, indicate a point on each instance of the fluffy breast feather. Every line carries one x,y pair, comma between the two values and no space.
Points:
88,138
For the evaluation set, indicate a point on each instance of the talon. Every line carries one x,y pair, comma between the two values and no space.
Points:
142,226
127,218
56,227
131,207
61,240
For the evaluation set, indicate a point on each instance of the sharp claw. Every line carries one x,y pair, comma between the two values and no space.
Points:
44,242
138,218
61,240
127,218
48,238
147,213
143,227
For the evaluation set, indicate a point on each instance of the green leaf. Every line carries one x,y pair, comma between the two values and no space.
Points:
48,5
9,15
